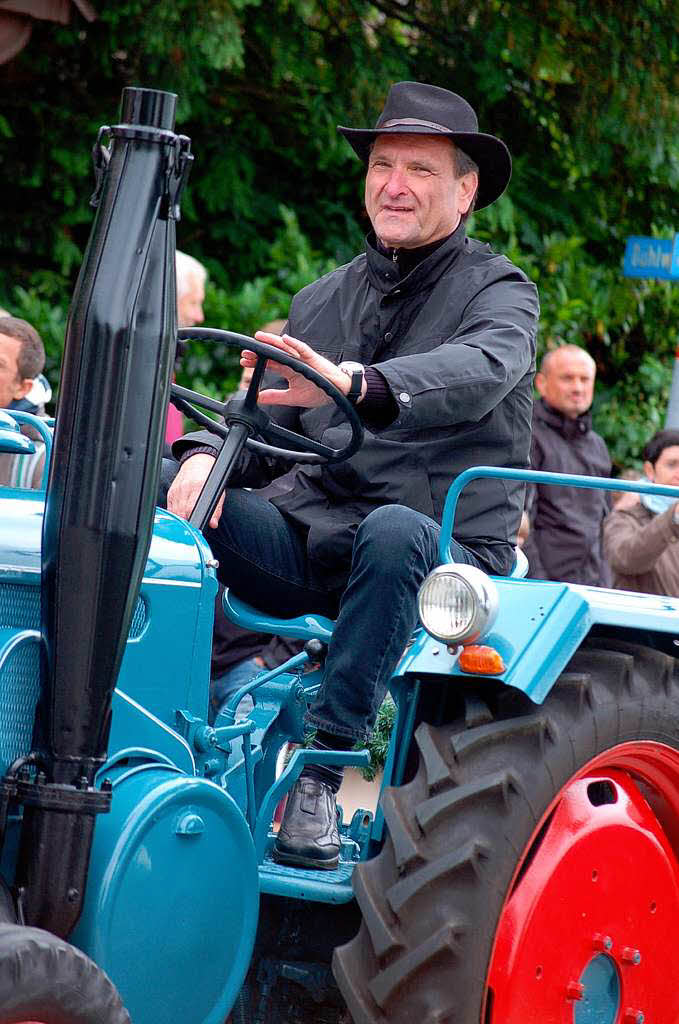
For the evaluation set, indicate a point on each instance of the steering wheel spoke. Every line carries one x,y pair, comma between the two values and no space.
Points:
213,404
273,432
177,395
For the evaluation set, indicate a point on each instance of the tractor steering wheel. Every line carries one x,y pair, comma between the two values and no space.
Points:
247,424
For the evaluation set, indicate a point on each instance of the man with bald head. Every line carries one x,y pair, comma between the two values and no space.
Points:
566,540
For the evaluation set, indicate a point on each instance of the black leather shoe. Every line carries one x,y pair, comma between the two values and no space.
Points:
308,836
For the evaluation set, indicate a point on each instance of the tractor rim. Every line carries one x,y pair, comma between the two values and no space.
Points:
581,934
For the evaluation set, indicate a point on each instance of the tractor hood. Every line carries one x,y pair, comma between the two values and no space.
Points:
178,553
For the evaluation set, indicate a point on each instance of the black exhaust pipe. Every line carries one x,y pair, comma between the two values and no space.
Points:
115,381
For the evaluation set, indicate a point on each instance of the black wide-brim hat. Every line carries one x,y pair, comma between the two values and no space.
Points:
413,108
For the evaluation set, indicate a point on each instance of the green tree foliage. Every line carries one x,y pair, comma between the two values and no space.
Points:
584,93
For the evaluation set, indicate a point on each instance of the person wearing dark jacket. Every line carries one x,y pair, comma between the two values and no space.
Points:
432,336
565,541
641,533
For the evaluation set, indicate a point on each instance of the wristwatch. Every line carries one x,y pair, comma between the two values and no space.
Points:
355,372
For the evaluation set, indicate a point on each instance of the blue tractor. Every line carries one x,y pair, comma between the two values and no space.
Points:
522,864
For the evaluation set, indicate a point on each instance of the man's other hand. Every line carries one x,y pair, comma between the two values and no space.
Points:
300,391
187,485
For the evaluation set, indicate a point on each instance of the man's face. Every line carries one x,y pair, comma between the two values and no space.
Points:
568,383
190,305
666,468
12,387
411,193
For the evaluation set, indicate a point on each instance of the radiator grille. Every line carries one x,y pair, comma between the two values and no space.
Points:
19,606
20,674
19,690
138,619
20,609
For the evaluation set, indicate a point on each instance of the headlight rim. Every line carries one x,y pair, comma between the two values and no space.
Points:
485,596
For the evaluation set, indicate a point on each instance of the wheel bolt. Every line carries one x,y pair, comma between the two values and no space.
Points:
603,942
631,956
575,990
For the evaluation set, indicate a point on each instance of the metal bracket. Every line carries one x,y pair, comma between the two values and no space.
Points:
101,156
179,163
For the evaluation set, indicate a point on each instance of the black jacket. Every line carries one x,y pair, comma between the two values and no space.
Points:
566,539
455,341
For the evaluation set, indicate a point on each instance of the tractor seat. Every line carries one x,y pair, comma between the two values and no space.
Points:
304,627
308,626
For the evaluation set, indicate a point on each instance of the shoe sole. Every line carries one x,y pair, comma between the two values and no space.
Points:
295,860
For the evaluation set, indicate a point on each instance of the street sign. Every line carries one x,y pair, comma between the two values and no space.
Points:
657,257
652,257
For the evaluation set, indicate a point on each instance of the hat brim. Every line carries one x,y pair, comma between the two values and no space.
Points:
489,152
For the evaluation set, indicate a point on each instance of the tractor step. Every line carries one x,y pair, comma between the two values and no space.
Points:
303,884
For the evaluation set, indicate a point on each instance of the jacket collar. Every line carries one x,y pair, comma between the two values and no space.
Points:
568,428
384,273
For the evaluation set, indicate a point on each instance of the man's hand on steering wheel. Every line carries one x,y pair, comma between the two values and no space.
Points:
300,391
190,479
201,482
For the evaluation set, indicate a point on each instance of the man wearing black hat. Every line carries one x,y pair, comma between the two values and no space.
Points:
432,335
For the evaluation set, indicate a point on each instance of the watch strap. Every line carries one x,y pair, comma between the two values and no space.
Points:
355,372
356,386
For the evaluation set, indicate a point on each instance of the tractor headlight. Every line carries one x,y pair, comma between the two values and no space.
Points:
457,603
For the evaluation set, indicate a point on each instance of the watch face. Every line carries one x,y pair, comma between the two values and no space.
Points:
353,367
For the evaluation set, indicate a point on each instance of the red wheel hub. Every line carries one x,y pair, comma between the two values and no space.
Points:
601,878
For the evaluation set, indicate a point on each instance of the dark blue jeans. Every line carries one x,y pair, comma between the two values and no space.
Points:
262,556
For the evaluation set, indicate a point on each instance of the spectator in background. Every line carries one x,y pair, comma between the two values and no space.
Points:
191,280
625,499
238,654
22,359
640,536
566,523
524,530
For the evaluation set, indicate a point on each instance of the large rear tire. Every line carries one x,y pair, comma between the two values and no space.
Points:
531,870
45,980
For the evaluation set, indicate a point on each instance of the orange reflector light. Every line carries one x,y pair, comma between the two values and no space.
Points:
481,660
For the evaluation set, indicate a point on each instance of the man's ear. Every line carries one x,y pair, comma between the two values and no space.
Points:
469,184
649,471
22,388
540,383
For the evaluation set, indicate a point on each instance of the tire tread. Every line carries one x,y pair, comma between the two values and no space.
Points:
432,897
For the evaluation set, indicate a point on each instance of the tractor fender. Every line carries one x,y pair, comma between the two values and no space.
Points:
172,900
539,627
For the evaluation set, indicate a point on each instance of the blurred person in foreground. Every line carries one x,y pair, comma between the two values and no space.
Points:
23,388
641,533
566,523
